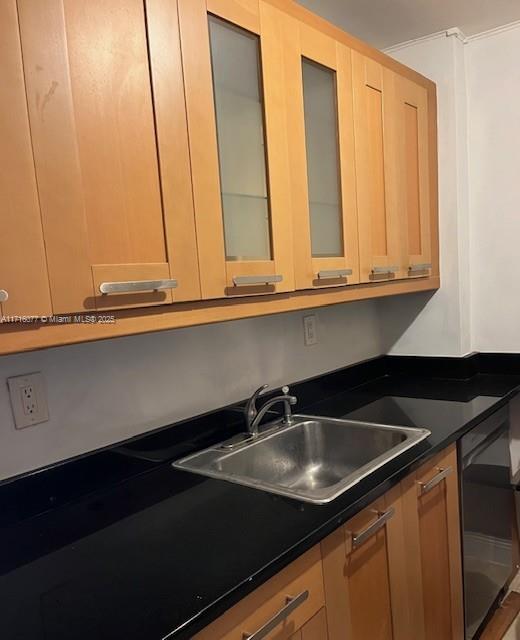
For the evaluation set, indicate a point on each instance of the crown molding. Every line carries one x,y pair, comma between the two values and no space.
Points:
446,33
496,31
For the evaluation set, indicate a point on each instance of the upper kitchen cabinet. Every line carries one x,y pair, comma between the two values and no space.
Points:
207,153
395,182
377,170
113,239
321,140
412,122
234,78
24,288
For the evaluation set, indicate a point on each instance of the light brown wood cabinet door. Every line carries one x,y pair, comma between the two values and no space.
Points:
431,502
234,77
358,568
377,170
290,603
413,139
90,97
24,287
315,629
321,142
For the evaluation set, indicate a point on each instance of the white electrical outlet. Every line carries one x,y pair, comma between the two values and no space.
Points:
28,400
310,335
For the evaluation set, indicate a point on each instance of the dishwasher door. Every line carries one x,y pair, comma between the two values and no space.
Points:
487,517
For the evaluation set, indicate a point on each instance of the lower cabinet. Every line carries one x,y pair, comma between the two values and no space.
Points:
288,606
431,506
392,572
366,587
315,629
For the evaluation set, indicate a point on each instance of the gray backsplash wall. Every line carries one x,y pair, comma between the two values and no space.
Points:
103,392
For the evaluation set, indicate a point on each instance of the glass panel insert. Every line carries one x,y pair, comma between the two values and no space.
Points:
235,56
321,138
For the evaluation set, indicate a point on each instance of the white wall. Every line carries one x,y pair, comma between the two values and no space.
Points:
440,324
103,392
493,75
478,306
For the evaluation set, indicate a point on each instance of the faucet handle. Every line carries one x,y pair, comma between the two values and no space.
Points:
250,410
285,390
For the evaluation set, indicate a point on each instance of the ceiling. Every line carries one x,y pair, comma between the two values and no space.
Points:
383,23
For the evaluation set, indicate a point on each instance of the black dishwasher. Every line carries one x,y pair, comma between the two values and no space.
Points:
487,517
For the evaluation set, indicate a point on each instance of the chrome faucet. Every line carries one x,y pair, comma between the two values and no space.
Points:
254,417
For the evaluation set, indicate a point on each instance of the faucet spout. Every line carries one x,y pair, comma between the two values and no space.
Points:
288,401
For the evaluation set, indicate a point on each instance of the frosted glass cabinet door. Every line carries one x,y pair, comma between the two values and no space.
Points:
234,76
322,160
321,138
239,108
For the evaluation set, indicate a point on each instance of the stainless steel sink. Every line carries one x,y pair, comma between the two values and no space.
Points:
314,459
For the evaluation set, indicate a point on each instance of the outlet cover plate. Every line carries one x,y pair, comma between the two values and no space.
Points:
310,334
28,400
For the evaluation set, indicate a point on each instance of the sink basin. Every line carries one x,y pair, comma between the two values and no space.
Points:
314,459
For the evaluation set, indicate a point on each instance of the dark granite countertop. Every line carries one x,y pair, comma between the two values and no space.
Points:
117,546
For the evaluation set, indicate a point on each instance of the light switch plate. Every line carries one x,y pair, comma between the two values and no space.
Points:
28,400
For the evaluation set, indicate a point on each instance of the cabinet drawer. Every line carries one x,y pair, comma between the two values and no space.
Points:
256,610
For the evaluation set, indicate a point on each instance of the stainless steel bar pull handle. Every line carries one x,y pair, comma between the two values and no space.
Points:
382,273
133,286
424,487
278,618
250,280
362,536
3,295
334,273
383,270
413,268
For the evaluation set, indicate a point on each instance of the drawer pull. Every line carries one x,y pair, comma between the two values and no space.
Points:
383,273
382,518
413,268
3,295
384,270
334,273
424,487
132,286
270,625
240,281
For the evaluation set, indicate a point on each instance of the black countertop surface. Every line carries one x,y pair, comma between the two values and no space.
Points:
113,546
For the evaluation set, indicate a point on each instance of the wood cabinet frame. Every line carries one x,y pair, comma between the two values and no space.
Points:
268,23
23,265
307,42
60,190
